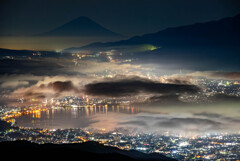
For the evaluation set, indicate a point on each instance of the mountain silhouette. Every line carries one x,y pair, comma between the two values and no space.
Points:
212,45
80,151
221,33
81,26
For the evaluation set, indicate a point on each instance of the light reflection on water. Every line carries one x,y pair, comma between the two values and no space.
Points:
60,117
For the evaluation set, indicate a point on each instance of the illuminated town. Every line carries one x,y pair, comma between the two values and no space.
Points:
212,147
203,147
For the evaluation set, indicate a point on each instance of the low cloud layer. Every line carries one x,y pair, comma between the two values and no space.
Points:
187,124
62,66
119,86
160,100
217,75
176,123
225,98
60,86
44,91
134,86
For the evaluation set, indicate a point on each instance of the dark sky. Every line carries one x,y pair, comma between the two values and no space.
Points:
128,17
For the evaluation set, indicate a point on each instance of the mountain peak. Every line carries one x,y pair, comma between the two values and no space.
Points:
81,26
82,19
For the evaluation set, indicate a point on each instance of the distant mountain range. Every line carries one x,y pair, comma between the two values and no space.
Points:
81,26
82,151
224,33
212,45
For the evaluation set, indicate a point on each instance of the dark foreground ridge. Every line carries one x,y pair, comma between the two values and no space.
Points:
79,151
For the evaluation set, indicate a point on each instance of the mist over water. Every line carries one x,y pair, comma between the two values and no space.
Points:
85,117
48,43
175,120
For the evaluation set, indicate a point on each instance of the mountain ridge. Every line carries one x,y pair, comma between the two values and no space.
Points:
224,31
89,150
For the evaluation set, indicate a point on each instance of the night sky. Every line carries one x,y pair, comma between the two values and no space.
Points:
127,17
